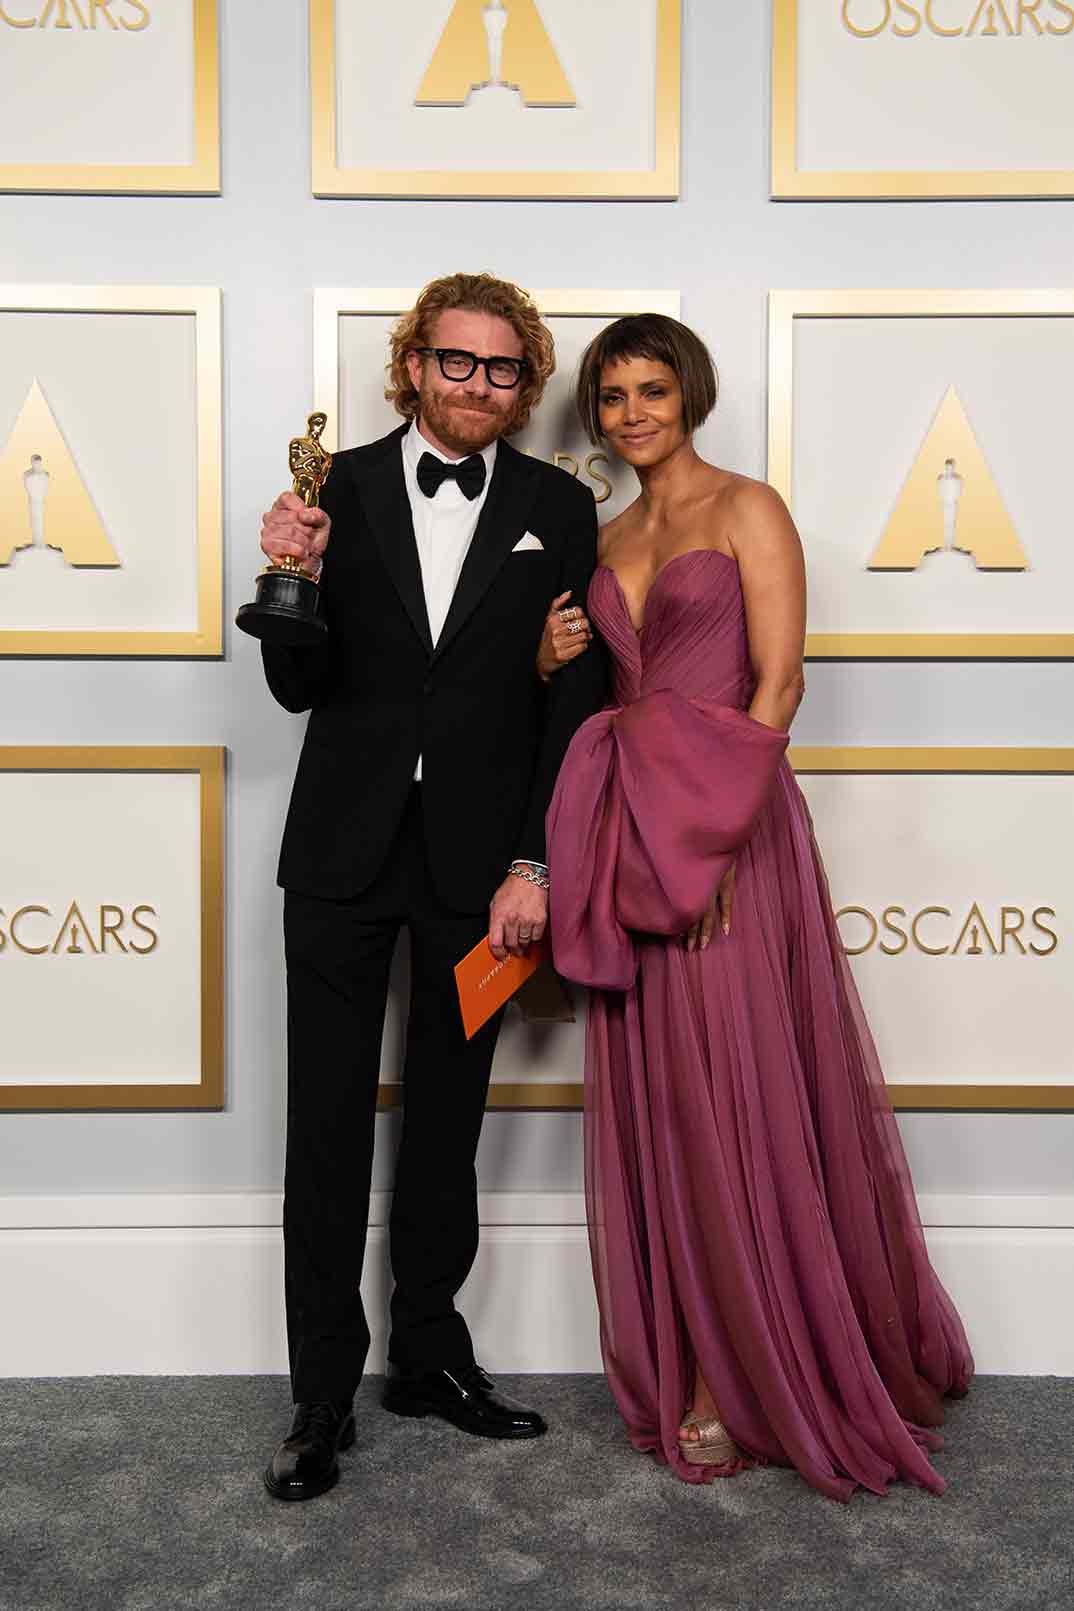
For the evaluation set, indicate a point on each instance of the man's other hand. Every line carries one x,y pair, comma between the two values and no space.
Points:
518,917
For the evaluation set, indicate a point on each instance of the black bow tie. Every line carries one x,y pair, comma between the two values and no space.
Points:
469,473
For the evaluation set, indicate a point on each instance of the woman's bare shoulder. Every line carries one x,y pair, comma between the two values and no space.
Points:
756,509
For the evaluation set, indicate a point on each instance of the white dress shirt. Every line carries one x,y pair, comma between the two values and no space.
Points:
444,528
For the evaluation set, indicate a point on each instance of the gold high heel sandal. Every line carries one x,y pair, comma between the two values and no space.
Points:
713,1446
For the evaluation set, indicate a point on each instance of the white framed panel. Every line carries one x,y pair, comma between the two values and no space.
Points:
988,81
111,928
110,95
110,471
871,393
955,902
513,98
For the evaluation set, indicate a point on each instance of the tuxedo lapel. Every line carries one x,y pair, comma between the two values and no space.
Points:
382,490
501,524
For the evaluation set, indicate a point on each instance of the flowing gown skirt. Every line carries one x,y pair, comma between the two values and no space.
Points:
750,1208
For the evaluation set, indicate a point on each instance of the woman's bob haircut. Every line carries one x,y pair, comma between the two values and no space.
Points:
664,341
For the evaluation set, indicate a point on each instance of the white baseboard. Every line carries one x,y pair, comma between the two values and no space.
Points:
178,1285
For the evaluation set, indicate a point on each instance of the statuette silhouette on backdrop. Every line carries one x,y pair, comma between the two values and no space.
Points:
950,503
47,505
36,480
495,44
285,608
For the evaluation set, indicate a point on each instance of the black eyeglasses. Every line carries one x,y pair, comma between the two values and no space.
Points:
503,373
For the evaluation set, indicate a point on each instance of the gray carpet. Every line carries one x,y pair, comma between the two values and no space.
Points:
145,1495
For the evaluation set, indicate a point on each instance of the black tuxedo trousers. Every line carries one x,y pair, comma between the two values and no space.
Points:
368,853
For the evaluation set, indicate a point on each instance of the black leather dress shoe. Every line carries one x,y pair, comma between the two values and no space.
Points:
466,1398
305,1463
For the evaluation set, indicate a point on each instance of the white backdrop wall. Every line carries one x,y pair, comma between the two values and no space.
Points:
267,243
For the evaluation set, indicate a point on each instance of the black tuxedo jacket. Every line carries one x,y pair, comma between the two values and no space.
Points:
491,735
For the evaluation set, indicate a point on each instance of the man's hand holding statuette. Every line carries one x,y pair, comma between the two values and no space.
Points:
291,531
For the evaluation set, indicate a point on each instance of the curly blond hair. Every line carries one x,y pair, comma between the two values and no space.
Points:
476,293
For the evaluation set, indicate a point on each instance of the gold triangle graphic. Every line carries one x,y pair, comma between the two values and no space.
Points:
464,59
43,499
950,500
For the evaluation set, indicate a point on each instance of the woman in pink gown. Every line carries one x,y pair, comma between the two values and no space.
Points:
764,1288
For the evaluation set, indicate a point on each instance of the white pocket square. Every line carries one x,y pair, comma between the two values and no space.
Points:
528,544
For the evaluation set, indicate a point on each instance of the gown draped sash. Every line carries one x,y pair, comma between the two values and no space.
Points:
750,1208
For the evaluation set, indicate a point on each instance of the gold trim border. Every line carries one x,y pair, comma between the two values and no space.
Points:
567,1097
660,183
331,304
210,764
784,307
791,183
198,178
204,304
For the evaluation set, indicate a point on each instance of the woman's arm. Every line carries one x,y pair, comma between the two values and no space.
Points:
770,563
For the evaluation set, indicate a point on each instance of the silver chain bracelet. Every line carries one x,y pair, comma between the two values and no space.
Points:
540,879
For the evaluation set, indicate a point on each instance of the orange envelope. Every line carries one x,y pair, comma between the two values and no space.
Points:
485,984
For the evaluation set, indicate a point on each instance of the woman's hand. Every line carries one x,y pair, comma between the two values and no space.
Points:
699,935
566,635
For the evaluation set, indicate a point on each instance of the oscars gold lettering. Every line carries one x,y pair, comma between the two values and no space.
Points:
78,934
957,19
73,926
1044,951
29,950
929,911
1001,936
112,920
937,27
989,9
569,463
866,33
887,915
973,924
78,14
142,12
598,476
914,14
154,938
874,927
61,14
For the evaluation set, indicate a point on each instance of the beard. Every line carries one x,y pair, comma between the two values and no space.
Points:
465,425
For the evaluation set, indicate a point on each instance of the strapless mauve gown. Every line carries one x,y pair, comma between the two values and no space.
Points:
749,1201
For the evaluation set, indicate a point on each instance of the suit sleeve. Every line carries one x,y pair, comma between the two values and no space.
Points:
576,692
298,679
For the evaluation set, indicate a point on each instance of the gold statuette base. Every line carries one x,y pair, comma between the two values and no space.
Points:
284,611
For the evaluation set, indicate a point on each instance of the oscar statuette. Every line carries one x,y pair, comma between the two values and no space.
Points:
285,609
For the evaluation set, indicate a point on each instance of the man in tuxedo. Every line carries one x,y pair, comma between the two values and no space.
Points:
429,761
